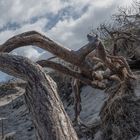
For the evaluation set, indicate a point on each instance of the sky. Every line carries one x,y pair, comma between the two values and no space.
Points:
65,21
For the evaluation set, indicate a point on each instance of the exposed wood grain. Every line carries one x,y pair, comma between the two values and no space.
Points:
47,111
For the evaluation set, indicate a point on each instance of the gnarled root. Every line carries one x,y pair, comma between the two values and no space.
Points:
120,114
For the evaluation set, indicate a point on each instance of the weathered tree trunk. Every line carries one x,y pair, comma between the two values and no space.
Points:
47,111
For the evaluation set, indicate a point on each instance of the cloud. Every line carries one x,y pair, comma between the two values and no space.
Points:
68,20
72,32
38,26
20,11
30,53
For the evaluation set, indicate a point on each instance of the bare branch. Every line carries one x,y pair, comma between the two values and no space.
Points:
65,70
35,38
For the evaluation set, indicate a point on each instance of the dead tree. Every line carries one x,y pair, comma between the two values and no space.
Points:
119,70
49,117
